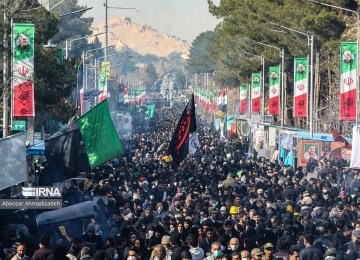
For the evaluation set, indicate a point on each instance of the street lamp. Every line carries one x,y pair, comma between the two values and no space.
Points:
311,45
85,57
76,12
85,37
281,52
106,22
357,47
263,80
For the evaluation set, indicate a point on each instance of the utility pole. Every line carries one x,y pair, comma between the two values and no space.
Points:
5,69
106,29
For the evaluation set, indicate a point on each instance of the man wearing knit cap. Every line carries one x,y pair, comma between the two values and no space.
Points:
351,250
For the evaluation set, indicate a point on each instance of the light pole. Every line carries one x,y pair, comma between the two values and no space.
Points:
281,52
357,47
106,22
71,41
85,57
311,45
76,12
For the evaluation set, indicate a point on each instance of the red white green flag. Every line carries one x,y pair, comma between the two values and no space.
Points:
274,90
301,86
243,98
348,81
255,92
23,70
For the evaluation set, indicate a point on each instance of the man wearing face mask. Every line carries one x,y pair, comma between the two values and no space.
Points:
245,255
132,254
233,246
215,252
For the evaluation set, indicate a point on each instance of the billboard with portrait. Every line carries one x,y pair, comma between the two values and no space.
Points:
308,149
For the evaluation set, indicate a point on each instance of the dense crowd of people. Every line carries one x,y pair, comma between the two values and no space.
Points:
220,203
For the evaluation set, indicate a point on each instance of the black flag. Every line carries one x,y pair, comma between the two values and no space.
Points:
64,157
179,145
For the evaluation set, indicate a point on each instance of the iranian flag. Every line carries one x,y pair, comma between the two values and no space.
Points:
141,95
255,92
274,90
243,98
348,81
135,95
102,85
222,99
23,46
301,86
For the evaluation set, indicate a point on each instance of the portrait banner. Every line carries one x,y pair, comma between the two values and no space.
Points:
243,99
274,90
348,79
308,150
255,92
102,85
23,70
301,85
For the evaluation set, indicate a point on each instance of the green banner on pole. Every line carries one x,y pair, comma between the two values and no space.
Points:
151,110
59,56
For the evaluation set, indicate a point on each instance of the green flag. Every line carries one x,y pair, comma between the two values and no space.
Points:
102,78
151,110
132,108
101,140
59,56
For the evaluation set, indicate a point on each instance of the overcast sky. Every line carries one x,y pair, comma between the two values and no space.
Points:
184,18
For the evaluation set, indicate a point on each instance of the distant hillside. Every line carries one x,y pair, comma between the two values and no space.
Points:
141,38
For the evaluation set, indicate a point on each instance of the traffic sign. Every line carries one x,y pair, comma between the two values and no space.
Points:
19,125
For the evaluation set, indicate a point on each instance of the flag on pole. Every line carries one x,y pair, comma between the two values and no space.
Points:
348,65
301,86
243,98
179,145
23,46
101,140
339,138
274,90
222,98
102,85
255,92
105,67
151,110
63,156
81,95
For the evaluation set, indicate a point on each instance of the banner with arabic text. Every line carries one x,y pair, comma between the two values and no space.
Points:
255,92
243,98
301,87
23,70
348,79
274,90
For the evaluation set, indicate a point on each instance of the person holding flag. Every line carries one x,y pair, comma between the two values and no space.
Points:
181,143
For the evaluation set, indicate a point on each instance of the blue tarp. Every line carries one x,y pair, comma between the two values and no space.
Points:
318,137
37,149
289,159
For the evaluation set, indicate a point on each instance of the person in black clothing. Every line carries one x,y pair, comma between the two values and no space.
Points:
90,237
351,250
310,252
176,247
